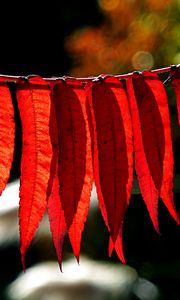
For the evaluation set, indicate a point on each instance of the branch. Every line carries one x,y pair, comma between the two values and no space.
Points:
16,79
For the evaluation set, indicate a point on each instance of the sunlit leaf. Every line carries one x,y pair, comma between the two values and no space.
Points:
7,128
34,106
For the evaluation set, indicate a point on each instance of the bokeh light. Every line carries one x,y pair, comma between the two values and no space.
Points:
108,5
142,60
146,290
133,35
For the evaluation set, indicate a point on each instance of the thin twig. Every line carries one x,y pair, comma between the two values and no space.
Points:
16,79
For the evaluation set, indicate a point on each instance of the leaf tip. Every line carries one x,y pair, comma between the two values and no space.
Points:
60,267
78,259
23,261
156,227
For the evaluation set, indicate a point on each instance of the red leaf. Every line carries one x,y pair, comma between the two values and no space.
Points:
55,212
57,220
93,133
175,76
152,142
7,128
160,96
92,127
144,140
75,161
112,151
34,106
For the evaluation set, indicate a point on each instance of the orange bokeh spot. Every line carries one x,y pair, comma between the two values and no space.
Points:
108,5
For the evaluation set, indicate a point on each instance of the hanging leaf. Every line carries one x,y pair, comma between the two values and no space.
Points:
112,151
7,128
94,149
92,126
56,218
55,211
75,161
145,140
175,77
123,102
166,190
152,142
33,99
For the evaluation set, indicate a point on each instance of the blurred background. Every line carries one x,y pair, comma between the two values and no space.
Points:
84,38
